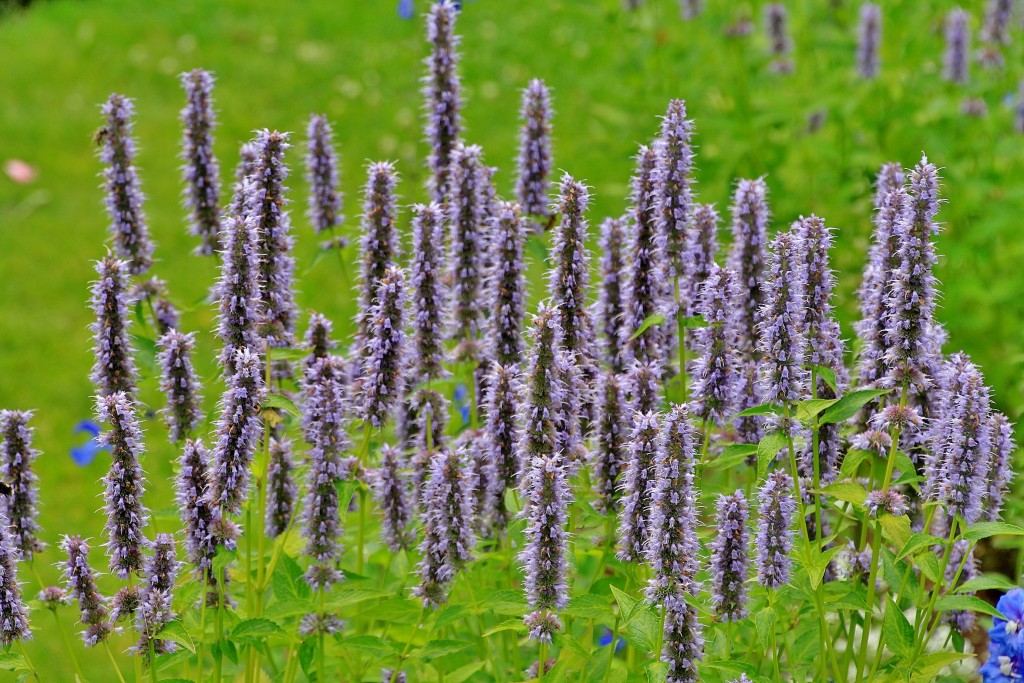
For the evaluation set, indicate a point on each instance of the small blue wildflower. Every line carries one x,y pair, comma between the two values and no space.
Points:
606,638
406,9
1008,633
86,453
1001,667
461,397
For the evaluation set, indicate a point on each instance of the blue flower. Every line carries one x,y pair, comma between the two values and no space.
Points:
86,453
606,638
406,9
461,403
1008,633
1001,668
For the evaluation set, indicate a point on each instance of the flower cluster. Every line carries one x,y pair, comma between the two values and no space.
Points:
201,170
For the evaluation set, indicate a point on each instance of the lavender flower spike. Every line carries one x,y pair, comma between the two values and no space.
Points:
774,530
20,505
544,393
124,195
699,255
502,431
126,516
442,92
869,39
781,339
238,291
324,424
198,514
448,537
81,582
716,371
957,57
380,238
610,306
544,556
672,187
729,558
747,258
506,282
114,369
13,610
179,383
609,452
638,488
322,175
533,182
672,547
1000,470
201,170
467,213
155,609
238,432
997,21
890,177
683,640
428,294
776,26
245,168
281,488
266,204
384,350
318,337
966,452
391,491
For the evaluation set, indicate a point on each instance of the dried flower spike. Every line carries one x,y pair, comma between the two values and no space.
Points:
391,491
282,490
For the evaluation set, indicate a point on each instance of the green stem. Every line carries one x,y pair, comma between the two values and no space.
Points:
322,649
681,331
24,654
200,648
408,645
67,644
154,675
113,662
362,529
542,658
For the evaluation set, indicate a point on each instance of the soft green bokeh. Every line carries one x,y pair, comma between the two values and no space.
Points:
612,74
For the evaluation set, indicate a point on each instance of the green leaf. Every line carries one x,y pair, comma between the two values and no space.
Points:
846,491
281,402
450,615
516,625
987,582
255,629
828,375
640,623
352,597
222,560
290,607
589,606
763,409
897,632
916,542
817,562
176,632
657,672
507,602
693,322
930,665
896,530
807,410
371,645
966,603
440,648
853,460
767,449
848,405
649,321
976,532
289,354
929,566
732,455
764,622
12,661
464,673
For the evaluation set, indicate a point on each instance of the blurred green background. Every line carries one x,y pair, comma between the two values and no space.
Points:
612,74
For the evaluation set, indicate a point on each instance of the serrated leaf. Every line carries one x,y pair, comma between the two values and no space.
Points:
352,597
848,405
589,606
12,661
449,615
931,665
657,672
640,624
916,542
897,632
281,402
929,566
371,645
846,491
176,632
976,532
896,530
806,411
852,461
817,562
764,623
291,607
255,629
650,321
966,603
439,648
987,582
767,449
506,602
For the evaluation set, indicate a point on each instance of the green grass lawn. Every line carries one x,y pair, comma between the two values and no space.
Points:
612,74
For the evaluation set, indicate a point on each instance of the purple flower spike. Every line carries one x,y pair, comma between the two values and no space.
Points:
13,610
502,432
281,487
126,516
672,547
547,544
155,609
966,447
245,168
324,424
114,369
683,640
384,350
533,184
201,171
730,558
776,25
869,39
911,302
318,337
81,583
638,488
961,620
997,22
197,512
646,289
747,258
322,175
238,291
467,212
956,61
544,391
442,92
265,203
610,307
428,293
781,339
507,284
716,372
124,194
179,383
610,431
774,530
380,238
1000,470
699,256
889,501
643,385
890,178
672,188
448,538
238,432
20,506
391,491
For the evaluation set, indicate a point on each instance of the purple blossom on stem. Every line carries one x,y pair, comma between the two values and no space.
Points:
114,369
198,514
610,307
126,516
123,192
448,537
776,26
428,293
476,453
245,168
544,393
730,558
780,331
716,371
547,544
683,640
638,488
673,196
13,610
379,238
961,620
324,424
155,609
179,383
1000,470
747,258
322,175
610,430
699,256
997,22
238,291
282,490
643,382
774,530
888,501
966,448
20,506
239,429
391,491
384,349
442,92
201,171
869,40
533,170
507,283
672,547
81,583
466,215
318,337
502,433
957,57
53,597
